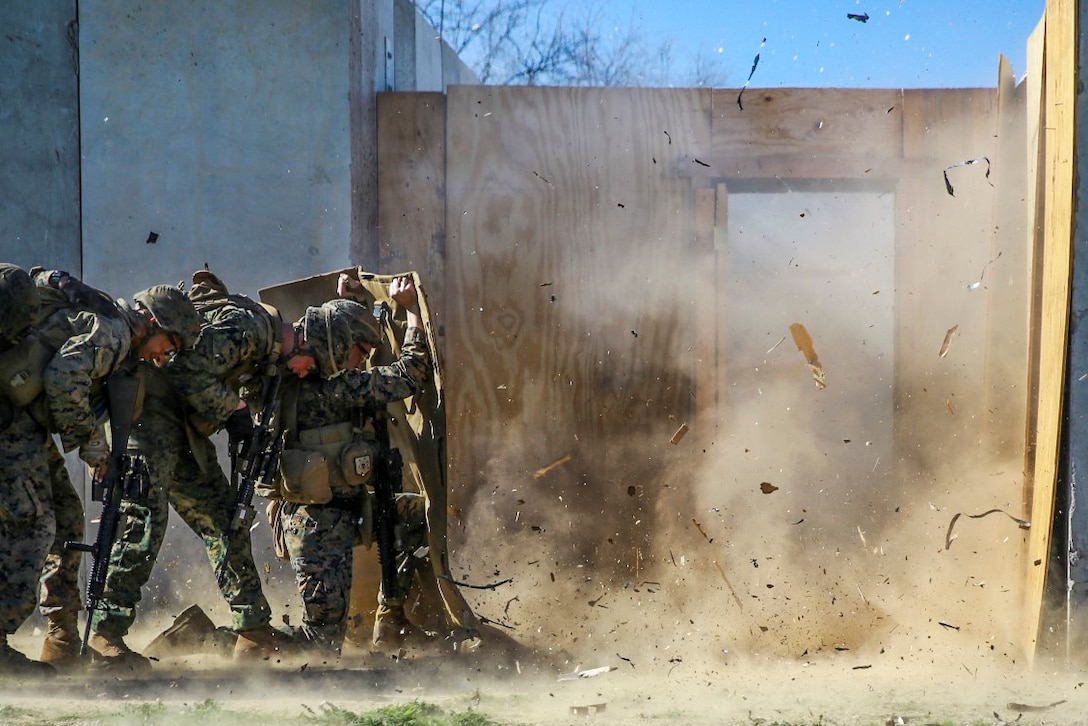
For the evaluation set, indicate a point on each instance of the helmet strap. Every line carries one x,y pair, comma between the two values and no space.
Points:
328,340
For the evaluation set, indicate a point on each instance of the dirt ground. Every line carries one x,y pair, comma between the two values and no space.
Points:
515,686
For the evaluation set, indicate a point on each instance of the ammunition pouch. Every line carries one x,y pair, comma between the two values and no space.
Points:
305,476
22,370
324,460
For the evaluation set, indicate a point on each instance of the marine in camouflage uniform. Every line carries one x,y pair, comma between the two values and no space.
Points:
27,524
92,344
340,399
83,346
184,403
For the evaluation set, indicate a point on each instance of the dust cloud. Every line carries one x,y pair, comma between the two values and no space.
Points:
810,537
797,553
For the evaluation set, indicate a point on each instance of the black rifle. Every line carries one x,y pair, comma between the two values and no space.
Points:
260,456
123,473
388,469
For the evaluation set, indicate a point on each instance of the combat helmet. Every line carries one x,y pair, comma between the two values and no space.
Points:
331,330
19,300
173,311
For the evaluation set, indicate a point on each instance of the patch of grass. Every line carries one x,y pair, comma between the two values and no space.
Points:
414,713
11,713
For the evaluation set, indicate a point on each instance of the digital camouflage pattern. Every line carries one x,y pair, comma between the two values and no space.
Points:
60,594
184,402
337,399
89,348
320,538
238,344
27,522
421,441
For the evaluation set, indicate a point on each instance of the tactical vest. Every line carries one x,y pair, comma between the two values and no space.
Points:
213,301
319,463
22,367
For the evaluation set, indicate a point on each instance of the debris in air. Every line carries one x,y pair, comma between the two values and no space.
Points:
1025,708
1022,523
755,62
152,238
541,472
585,674
947,341
978,283
803,341
863,18
766,487
969,162
680,433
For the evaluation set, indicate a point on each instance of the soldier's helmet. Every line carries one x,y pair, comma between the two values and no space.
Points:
19,301
332,329
173,311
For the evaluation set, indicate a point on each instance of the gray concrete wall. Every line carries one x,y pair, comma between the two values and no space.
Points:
39,134
240,133
223,128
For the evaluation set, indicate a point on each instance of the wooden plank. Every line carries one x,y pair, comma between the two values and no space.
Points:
1008,303
1058,129
411,199
569,243
711,205
944,245
807,120
947,124
876,168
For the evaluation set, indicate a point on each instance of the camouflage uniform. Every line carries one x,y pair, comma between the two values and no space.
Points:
88,337
27,524
40,507
184,402
89,348
320,538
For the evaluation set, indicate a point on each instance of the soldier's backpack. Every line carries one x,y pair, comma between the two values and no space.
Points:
213,301
22,367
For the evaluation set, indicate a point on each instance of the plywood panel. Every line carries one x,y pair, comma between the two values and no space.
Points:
823,122
1058,104
571,295
412,203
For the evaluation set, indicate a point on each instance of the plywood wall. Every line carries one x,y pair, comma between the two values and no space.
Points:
585,247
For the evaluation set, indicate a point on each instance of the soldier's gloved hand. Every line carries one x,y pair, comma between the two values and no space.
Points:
239,425
95,452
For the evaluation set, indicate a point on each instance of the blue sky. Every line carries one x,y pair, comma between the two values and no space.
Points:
904,44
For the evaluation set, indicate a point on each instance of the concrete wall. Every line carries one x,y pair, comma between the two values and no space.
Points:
39,134
237,133
223,128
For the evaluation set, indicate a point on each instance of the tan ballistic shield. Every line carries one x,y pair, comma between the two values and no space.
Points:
422,442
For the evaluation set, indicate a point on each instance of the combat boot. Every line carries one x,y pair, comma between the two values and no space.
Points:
262,642
12,662
392,629
111,652
62,643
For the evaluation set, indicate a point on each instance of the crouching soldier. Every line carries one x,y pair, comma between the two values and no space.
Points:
323,505
80,338
27,524
186,401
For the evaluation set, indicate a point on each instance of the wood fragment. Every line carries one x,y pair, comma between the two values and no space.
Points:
680,433
947,341
803,341
728,584
541,472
